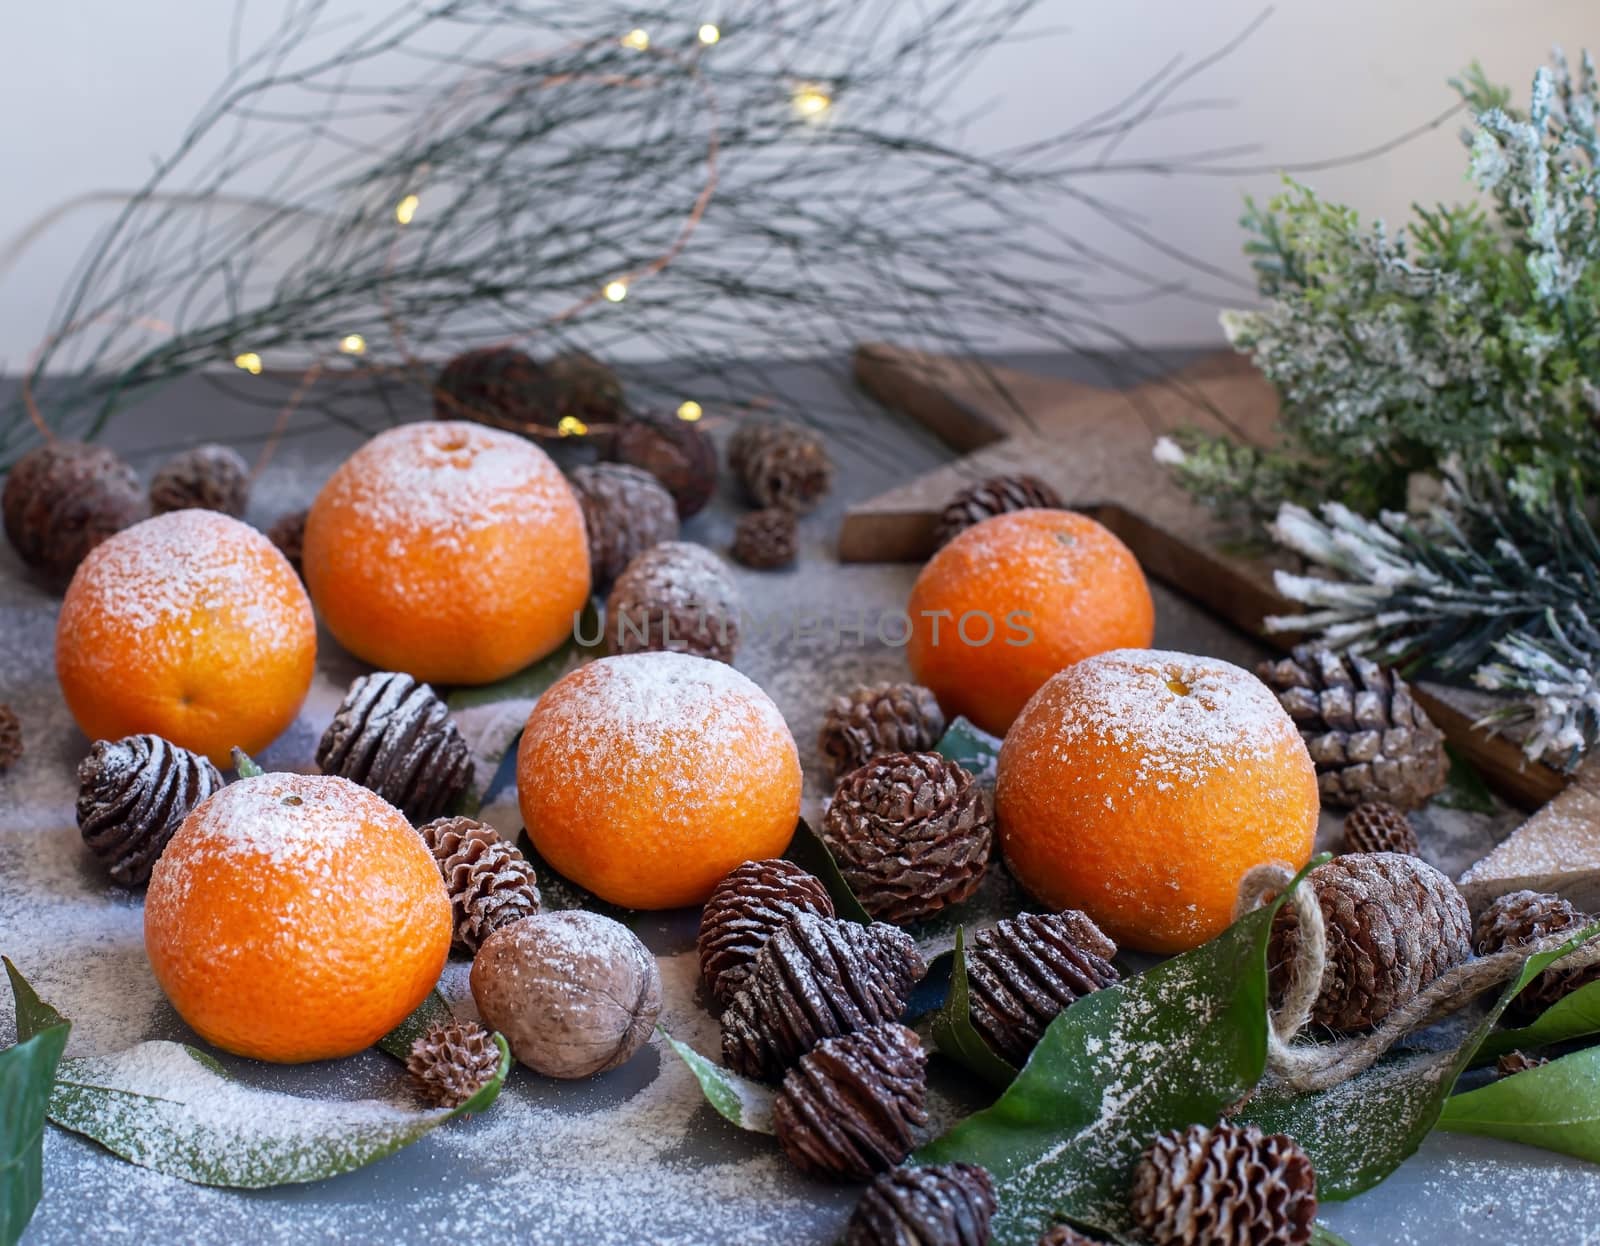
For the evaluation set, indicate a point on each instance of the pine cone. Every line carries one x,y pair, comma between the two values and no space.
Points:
500,386
1065,1235
911,833
1394,924
1227,1185
817,978
1514,1062
62,499
288,533
209,477
1522,917
393,735
997,495
780,463
133,794
676,452
677,597
851,1107
875,719
10,737
451,1062
1368,738
746,909
1025,970
1374,826
765,539
490,883
626,511
939,1205
586,388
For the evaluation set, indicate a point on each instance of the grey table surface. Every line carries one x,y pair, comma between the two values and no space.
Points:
634,1156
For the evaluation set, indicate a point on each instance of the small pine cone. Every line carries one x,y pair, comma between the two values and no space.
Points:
677,597
875,719
1522,917
1514,1062
393,735
998,495
817,978
1374,826
62,499
288,533
10,737
676,452
765,539
746,909
1023,971
585,388
1394,924
209,477
451,1062
500,386
911,832
851,1107
780,463
133,794
1227,1185
490,883
1369,739
940,1205
626,511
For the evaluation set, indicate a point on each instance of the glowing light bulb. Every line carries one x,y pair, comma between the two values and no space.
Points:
638,40
690,411
248,362
406,209
353,344
616,291
811,100
709,34
571,426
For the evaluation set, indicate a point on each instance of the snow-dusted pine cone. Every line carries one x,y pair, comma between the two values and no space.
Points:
62,499
10,737
1374,826
1023,971
937,1205
132,795
1369,738
765,539
1523,917
677,597
780,463
209,477
675,451
451,1062
1227,1185
395,736
625,511
288,533
817,978
874,719
746,909
490,883
852,1105
911,832
1394,924
500,386
996,495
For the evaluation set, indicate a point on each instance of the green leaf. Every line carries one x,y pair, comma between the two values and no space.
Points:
1555,1106
27,1072
1464,786
168,1107
533,679
953,1032
1160,1051
431,1011
1322,1235
1572,1016
974,749
244,765
746,1103
808,851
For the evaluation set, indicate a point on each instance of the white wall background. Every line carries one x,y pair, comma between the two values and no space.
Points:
92,90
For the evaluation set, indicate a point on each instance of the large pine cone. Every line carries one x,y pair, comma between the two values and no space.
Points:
868,721
625,511
500,386
1374,826
395,736
939,1205
911,832
209,477
1225,1185
1394,924
852,1105
10,737
817,978
1369,739
1022,972
676,452
490,883
746,909
997,495
780,463
133,794
676,597
1522,917
451,1062
62,499
766,539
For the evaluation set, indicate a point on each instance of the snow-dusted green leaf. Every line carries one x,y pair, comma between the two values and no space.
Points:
245,765
27,1072
1555,1106
808,851
1573,1016
1322,1235
746,1103
431,1011
953,1032
972,748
